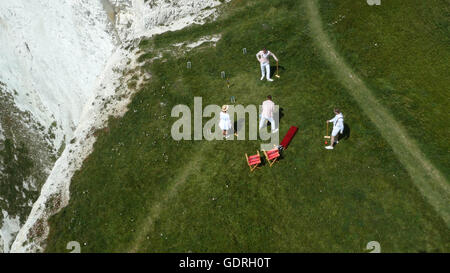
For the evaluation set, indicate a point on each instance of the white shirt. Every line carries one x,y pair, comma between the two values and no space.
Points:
263,58
267,108
338,121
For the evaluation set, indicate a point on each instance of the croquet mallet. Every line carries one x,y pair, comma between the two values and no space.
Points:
327,136
277,75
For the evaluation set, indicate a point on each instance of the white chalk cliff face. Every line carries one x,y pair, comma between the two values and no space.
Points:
60,61
51,54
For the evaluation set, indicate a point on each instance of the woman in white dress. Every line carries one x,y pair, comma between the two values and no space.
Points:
225,121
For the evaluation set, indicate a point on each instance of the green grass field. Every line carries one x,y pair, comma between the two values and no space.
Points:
141,191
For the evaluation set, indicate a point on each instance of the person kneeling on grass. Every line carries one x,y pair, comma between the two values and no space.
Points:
268,107
338,127
225,121
263,58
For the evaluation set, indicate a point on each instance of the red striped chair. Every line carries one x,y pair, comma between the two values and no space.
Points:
272,156
253,161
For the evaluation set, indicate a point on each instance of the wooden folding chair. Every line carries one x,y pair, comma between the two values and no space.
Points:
272,156
253,161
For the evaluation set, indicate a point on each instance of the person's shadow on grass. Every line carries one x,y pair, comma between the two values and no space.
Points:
346,134
273,70
239,125
277,116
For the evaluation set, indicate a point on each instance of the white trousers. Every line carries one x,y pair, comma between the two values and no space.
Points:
263,120
265,70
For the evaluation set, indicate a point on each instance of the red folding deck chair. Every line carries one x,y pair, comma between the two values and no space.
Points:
253,161
272,156
288,137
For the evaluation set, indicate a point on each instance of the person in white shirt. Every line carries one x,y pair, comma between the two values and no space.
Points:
263,58
268,107
225,121
338,127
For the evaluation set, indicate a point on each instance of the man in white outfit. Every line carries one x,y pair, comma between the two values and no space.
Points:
263,58
338,127
268,107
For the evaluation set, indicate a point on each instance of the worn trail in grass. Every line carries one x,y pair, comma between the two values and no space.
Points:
155,210
431,183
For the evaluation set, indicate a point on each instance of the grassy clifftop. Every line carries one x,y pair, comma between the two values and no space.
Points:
401,51
141,191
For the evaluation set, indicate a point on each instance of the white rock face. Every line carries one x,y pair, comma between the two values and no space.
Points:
60,59
159,16
8,231
52,52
